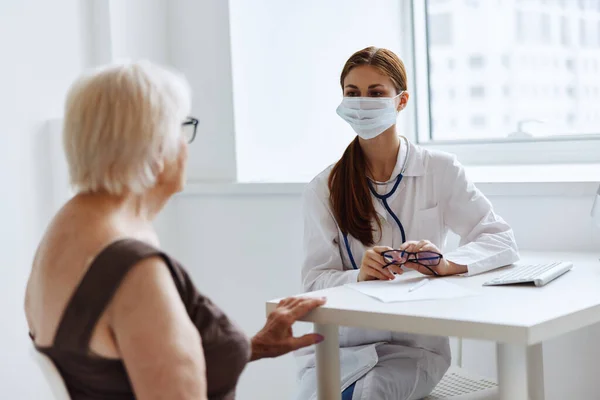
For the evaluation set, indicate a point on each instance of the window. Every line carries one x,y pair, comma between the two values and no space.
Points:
520,23
529,47
441,34
584,40
478,121
477,91
565,37
546,33
472,3
476,61
531,26
531,39
570,64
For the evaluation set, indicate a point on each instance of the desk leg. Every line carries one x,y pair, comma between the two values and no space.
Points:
535,372
328,363
512,371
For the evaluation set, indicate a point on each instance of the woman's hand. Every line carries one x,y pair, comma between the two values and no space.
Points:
277,338
445,267
372,266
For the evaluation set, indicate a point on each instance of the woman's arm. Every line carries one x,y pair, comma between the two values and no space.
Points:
158,343
487,241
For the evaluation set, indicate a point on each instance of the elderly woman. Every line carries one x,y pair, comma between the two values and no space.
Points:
120,318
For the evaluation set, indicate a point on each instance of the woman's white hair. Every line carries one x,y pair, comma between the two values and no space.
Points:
121,122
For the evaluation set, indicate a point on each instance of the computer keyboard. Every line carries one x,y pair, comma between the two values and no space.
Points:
538,274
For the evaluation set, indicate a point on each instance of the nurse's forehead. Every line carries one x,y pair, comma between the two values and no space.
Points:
366,75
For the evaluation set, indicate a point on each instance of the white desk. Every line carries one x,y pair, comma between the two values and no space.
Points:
518,318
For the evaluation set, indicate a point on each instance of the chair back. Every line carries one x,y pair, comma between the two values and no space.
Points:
55,381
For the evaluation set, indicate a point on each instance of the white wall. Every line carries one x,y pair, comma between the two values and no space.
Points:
138,29
199,46
242,249
42,52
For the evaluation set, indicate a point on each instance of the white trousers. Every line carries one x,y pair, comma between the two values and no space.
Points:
382,372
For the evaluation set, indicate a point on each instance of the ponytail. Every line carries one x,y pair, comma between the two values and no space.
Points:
350,196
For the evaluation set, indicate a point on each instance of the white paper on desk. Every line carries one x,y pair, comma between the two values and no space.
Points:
397,290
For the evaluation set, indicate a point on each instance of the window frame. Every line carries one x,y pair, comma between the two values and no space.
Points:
567,149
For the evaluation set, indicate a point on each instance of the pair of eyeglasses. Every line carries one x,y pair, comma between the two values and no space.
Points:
190,126
427,259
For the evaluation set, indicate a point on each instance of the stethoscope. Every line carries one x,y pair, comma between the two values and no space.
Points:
384,199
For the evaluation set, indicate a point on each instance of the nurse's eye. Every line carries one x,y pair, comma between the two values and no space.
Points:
376,94
352,94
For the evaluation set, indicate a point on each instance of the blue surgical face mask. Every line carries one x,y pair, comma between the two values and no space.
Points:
369,116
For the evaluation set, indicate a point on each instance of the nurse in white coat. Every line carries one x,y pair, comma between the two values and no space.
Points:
386,193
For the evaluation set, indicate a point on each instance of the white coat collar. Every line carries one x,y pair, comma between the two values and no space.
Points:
415,165
416,161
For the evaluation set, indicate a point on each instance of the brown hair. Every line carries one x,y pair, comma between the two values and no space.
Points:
348,183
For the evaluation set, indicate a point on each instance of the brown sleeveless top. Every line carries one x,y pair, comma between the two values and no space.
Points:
89,376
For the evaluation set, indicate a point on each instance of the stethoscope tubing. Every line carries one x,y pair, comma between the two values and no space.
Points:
383,199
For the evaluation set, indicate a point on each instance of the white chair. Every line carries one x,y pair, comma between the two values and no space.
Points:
459,384
53,378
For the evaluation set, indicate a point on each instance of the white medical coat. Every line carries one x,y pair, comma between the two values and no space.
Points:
433,197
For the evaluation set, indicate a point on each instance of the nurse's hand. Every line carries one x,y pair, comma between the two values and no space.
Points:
372,265
445,267
277,338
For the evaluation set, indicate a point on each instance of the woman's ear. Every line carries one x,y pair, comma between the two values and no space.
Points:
158,166
403,100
